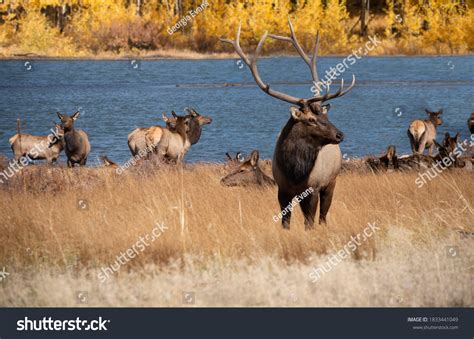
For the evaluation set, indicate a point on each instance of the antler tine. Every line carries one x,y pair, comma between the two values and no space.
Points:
338,94
314,69
311,62
252,64
236,44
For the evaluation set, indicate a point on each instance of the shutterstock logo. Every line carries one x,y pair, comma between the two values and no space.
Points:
48,324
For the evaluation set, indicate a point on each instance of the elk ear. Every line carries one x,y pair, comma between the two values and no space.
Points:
194,113
447,135
440,112
437,144
164,117
325,108
296,113
457,137
60,116
75,115
254,158
239,157
173,113
228,156
427,112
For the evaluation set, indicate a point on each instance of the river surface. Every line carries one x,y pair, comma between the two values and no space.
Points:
115,97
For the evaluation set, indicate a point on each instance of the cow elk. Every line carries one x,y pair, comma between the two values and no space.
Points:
170,144
76,141
137,138
422,132
248,173
36,147
307,153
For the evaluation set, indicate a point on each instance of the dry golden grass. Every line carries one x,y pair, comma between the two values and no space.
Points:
223,245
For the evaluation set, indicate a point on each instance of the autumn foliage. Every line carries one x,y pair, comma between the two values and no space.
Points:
80,28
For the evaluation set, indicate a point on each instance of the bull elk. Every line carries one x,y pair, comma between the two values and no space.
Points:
307,153
248,173
76,141
422,132
36,147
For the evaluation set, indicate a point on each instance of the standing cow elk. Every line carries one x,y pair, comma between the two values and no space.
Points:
76,141
248,173
170,144
422,132
470,123
137,141
36,147
307,153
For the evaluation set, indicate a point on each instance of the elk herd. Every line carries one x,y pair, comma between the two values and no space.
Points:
306,155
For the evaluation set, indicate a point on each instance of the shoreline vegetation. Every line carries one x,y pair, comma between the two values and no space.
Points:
192,55
107,30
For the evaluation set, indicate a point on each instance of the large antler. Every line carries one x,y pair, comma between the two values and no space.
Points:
311,62
252,64
294,41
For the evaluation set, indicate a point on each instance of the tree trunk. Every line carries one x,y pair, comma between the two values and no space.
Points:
364,16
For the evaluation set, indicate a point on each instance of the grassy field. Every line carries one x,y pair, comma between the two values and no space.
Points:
220,246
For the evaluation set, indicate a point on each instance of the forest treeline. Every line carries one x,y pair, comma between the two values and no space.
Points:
95,28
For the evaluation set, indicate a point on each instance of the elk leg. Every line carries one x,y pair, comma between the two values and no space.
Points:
326,199
309,205
430,150
412,142
69,163
284,199
83,162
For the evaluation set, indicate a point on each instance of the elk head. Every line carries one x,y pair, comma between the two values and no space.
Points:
57,136
247,173
170,122
434,117
195,124
67,122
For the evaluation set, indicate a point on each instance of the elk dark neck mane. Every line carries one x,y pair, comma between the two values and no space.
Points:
296,151
194,131
181,130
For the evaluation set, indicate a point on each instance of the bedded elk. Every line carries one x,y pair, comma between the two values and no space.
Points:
388,160
422,132
248,173
450,154
107,162
75,141
170,144
36,147
470,123
307,153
